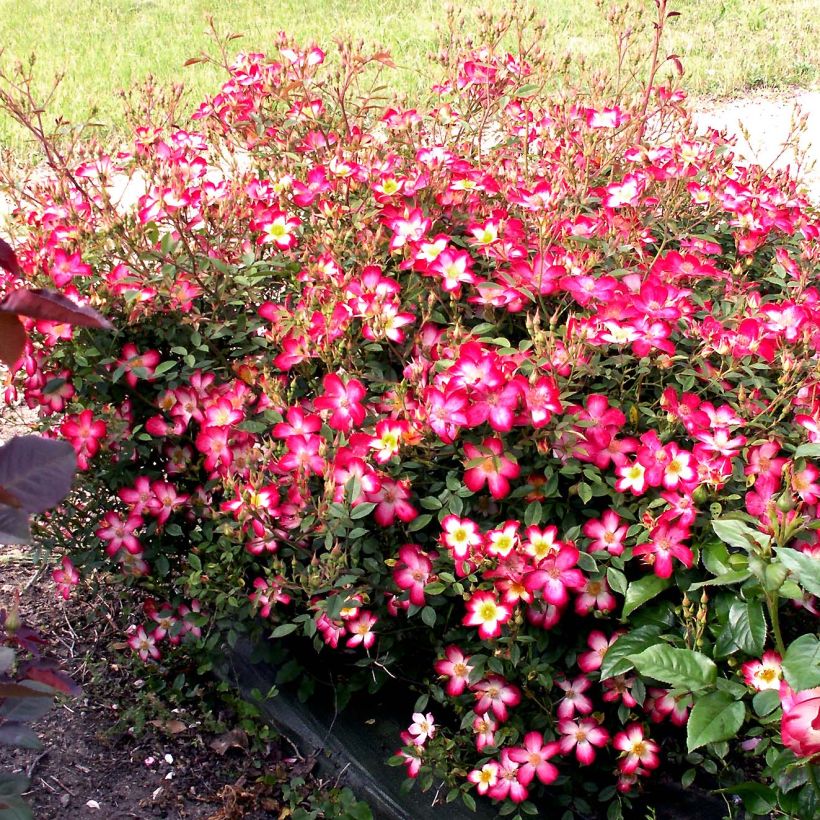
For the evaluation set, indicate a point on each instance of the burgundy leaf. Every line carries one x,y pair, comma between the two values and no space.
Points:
29,639
8,259
12,339
14,526
676,61
38,699
53,307
50,674
22,691
7,658
9,500
20,735
37,471
11,787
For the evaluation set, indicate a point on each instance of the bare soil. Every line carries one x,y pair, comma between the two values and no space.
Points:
91,766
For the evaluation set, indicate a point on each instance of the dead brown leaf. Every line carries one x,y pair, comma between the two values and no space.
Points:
172,727
235,739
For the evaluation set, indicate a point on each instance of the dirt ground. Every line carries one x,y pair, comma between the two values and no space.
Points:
767,117
91,765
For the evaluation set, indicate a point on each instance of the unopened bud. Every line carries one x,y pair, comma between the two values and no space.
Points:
785,503
700,495
13,620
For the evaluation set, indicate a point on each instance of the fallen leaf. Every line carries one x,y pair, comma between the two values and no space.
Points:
173,727
304,766
235,739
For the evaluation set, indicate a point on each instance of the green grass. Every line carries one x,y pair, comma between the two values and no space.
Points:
105,45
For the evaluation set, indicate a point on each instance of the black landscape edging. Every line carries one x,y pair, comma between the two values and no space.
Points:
351,747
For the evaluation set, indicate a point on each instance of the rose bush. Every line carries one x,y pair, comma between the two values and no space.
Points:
512,396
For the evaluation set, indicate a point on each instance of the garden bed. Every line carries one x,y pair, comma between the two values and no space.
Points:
509,399
93,766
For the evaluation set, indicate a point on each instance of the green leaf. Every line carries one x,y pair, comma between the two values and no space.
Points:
532,515
585,492
737,534
587,563
616,658
805,569
362,510
253,426
526,90
765,702
801,665
716,716
735,689
428,615
724,645
283,629
734,576
757,798
748,626
715,558
643,590
617,580
807,451
682,668
419,523
164,367
431,503
790,590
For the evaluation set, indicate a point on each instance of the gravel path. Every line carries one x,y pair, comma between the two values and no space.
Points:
767,117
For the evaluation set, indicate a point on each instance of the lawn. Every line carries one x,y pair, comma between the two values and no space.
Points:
105,45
